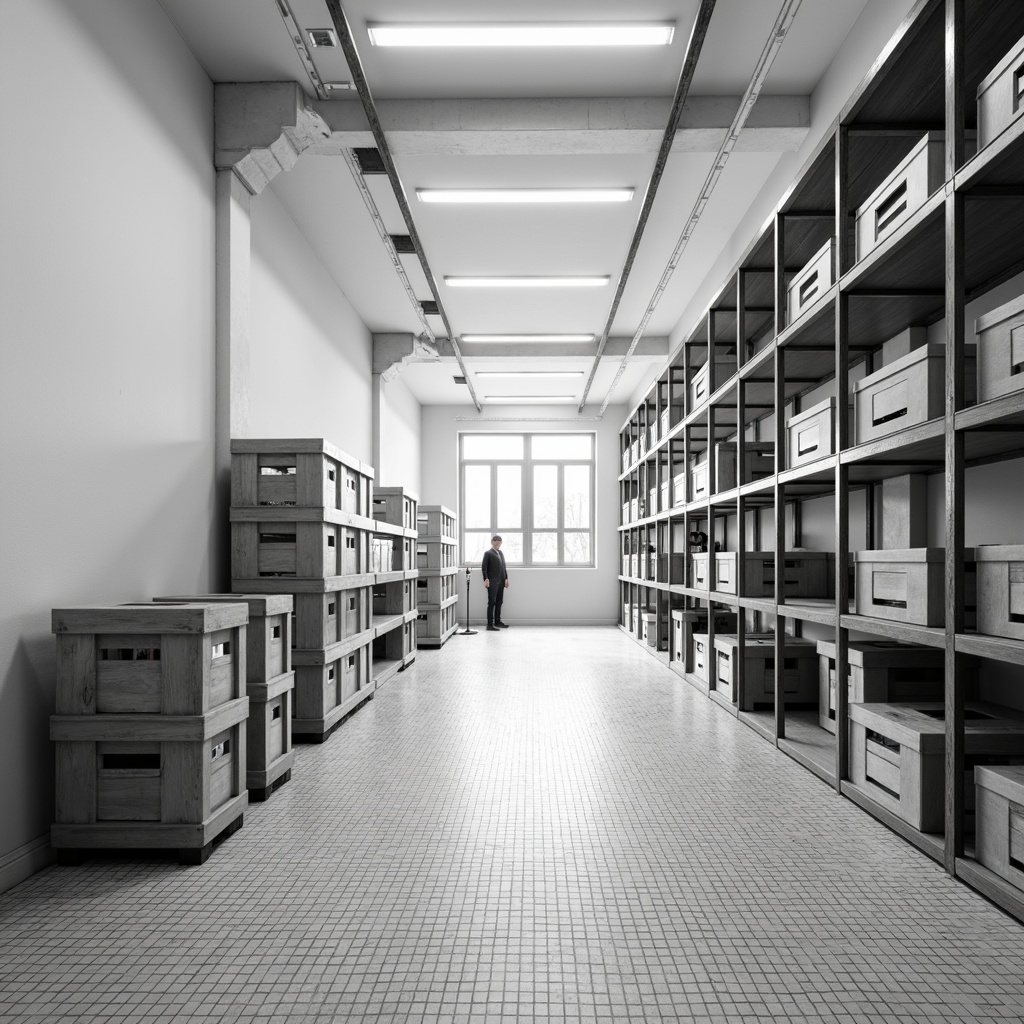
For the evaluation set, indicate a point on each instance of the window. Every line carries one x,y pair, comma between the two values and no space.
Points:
536,490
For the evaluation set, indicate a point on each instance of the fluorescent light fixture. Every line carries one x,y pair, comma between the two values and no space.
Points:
524,195
322,37
538,34
530,374
488,338
527,282
523,399
338,86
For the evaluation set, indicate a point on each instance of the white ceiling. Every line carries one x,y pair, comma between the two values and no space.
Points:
247,41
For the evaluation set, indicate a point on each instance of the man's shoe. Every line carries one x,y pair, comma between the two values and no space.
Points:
502,625
492,629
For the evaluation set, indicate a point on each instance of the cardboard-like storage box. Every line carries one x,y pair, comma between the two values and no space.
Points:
655,631
879,671
1000,569
805,574
1000,350
812,282
700,390
687,622
666,422
897,755
908,585
699,479
799,675
1001,95
999,820
700,575
910,390
679,489
811,434
902,193
701,656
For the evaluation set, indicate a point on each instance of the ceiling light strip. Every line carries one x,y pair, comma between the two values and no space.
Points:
488,339
784,22
693,48
523,195
527,282
523,34
355,67
527,419
305,57
385,237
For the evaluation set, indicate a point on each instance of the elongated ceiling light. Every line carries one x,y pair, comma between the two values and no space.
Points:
529,374
542,34
488,338
524,195
527,282
529,398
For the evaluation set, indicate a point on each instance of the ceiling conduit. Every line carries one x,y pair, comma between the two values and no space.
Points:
693,48
355,67
782,26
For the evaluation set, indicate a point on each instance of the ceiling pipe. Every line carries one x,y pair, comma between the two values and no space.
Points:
355,67
784,22
693,48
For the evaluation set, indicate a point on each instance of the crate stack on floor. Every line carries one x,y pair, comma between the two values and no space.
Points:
438,564
149,727
300,525
395,576
270,685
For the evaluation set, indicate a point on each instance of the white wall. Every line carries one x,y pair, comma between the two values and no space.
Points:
540,596
310,354
106,320
400,425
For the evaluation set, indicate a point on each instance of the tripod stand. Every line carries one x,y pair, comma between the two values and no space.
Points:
467,631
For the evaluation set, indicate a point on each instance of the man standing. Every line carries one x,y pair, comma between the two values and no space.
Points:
495,582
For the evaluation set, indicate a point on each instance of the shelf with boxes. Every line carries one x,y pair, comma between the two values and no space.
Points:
841,339
301,525
150,727
394,595
439,547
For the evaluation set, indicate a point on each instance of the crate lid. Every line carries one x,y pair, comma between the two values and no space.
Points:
815,410
149,618
385,492
917,355
1007,780
999,552
298,445
909,555
764,643
1007,311
885,654
260,605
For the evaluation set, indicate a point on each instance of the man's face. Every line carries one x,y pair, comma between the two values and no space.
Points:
496,544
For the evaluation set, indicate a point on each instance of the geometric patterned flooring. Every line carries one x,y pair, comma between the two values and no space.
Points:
543,825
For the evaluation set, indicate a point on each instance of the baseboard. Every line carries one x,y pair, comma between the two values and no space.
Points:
25,861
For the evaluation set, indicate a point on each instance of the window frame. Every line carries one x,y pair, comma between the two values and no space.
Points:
526,465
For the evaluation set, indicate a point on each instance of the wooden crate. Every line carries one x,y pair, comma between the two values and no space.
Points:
908,585
321,620
328,685
437,521
686,622
268,633
127,781
172,659
897,755
811,282
436,586
908,391
902,193
809,574
269,753
811,434
287,549
1000,350
395,505
298,471
394,598
798,678
1000,95
1000,583
999,820
434,624
436,555
397,644
879,672
699,383
382,554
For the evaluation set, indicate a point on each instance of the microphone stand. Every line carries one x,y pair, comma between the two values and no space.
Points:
467,631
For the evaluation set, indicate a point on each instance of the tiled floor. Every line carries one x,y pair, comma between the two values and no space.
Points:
537,825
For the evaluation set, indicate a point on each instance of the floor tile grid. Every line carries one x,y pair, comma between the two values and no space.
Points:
566,838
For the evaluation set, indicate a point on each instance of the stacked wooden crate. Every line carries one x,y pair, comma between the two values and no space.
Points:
438,558
395,578
300,524
149,727
270,685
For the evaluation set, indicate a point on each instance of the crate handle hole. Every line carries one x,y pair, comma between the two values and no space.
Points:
1018,87
809,288
892,207
131,762
275,633
222,749
276,713
889,417
222,650
277,538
